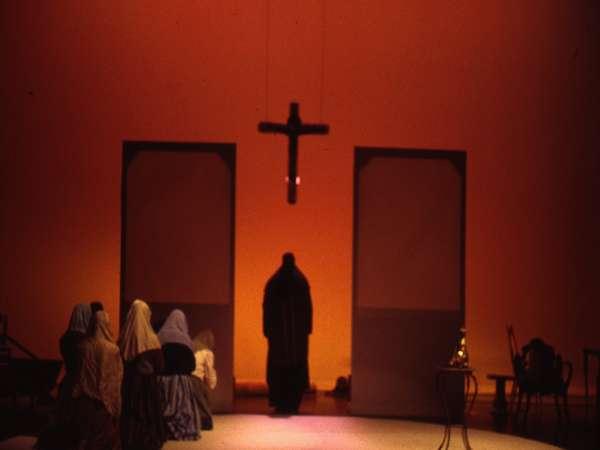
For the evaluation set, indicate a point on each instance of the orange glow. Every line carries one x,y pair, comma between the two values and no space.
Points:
510,83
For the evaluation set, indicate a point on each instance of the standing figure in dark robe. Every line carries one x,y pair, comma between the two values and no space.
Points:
287,322
142,423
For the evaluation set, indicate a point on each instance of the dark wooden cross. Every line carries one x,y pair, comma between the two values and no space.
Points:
292,129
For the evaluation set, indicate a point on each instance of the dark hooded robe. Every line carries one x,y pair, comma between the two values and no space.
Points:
287,322
62,430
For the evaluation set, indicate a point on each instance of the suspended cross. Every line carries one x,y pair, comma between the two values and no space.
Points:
292,129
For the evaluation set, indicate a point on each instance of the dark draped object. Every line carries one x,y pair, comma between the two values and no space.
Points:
71,347
287,322
182,413
70,350
142,422
179,359
63,430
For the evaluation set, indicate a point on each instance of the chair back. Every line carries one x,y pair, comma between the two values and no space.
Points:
543,367
516,359
512,342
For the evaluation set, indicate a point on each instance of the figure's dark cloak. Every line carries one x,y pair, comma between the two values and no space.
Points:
287,322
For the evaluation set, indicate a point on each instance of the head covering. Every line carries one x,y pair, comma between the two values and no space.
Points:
137,335
100,326
80,318
102,367
175,330
205,340
288,259
96,306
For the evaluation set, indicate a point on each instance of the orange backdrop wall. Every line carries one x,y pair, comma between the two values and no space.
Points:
515,84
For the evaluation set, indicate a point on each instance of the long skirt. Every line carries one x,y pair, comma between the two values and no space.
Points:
88,426
201,391
142,423
182,411
98,429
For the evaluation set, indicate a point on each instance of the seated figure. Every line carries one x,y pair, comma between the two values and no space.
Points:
205,375
540,371
62,430
142,423
182,409
98,391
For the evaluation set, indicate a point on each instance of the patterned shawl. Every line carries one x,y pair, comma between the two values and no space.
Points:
175,330
102,366
137,335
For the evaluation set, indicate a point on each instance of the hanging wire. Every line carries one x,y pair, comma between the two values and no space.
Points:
267,38
267,57
322,87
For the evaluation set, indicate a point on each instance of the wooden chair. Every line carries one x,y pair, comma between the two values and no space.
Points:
538,371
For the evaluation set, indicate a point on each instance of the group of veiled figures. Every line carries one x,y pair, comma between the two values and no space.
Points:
152,387
134,394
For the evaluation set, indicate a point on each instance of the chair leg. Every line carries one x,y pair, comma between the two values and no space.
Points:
526,413
558,412
518,408
566,407
562,428
513,394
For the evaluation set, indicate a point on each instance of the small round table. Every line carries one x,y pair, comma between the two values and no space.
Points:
441,383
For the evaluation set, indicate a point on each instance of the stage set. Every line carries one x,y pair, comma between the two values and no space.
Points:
433,167
408,296
404,330
404,326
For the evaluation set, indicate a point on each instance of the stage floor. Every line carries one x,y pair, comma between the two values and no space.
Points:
324,422
259,431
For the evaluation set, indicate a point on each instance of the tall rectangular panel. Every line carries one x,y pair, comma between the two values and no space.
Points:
408,280
178,240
